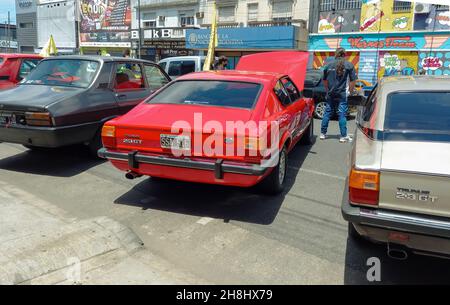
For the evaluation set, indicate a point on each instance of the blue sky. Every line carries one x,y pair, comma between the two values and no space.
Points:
5,6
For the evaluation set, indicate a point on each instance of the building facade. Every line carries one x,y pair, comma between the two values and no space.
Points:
249,26
382,37
26,20
57,18
8,38
163,26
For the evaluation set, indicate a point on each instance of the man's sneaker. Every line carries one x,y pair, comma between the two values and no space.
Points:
345,139
323,136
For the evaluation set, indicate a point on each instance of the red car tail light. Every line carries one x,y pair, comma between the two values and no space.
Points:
38,119
364,187
109,136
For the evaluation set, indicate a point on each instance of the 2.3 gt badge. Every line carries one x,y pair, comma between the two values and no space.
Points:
415,195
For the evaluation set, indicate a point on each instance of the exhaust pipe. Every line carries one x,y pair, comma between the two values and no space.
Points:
132,175
397,252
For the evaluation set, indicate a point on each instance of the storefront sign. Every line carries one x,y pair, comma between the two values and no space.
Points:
105,23
390,42
431,63
8,44
435,63
165,44
165,33
277,37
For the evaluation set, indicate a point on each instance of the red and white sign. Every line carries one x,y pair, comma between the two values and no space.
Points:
432,63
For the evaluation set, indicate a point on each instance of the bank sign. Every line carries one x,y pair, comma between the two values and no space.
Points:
280,37
412,41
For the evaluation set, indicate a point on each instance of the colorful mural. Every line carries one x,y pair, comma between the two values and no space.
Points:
339,22
398,63
377,15
322,58
433,21
435,63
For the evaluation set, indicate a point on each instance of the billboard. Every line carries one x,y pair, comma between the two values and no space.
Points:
105,23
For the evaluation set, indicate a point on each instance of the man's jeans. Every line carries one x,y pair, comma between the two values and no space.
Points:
342,107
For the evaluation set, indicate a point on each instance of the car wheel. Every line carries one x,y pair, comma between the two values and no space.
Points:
95,144
319,110
274,183
308,135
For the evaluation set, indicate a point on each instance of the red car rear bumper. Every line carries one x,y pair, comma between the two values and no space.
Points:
191,170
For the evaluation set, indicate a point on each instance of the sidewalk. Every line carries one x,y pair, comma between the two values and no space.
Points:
41,244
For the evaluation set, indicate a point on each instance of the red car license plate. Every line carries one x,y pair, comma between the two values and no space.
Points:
175,142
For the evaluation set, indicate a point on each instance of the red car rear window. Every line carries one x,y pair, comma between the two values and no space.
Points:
209,93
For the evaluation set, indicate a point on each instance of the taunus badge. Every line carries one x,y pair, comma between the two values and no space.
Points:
132,139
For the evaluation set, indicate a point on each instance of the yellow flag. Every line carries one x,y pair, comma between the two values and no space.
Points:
49,48
213,41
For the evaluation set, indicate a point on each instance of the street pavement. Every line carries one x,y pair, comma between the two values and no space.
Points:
218,235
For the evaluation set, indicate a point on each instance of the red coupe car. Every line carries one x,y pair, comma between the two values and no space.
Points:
232,127
15,67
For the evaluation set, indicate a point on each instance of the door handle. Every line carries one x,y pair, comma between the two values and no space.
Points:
121,96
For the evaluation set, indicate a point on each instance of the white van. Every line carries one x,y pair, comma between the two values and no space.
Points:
181,65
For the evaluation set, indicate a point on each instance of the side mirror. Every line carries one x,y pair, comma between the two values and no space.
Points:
357,100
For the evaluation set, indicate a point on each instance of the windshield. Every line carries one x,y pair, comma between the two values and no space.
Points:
419,115
63,72
212,93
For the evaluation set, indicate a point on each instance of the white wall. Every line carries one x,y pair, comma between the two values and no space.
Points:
58,21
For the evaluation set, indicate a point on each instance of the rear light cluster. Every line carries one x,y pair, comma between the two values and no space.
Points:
109,136
38,119
364,187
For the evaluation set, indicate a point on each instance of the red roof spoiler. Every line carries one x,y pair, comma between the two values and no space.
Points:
291,63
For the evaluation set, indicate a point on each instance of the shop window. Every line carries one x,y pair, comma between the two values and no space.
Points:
178,68
253,12
400,6
227,13
26,25
129,77
155,78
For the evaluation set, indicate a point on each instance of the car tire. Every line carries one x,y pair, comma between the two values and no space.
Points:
275,183
95,144
308,135
319,109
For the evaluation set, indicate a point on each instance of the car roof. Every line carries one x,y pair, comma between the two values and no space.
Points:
99,58
18,55
182,57
415,83
233,75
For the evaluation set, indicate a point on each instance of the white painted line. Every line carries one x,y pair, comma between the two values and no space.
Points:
318,173
204,220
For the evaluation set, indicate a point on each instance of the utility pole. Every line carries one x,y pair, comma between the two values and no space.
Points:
8,31
140,32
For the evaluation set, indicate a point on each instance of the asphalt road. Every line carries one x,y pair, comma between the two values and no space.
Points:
220,234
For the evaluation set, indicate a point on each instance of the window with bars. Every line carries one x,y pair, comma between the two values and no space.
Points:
227,13
187,18
282,10
400,6
253,12
331,5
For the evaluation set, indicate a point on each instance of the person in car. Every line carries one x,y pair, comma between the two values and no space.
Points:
339,76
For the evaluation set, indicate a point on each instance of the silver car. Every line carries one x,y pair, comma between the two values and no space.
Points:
398,188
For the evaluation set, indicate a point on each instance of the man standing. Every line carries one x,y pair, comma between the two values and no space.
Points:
337,76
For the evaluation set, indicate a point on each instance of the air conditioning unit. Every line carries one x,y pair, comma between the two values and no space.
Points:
162,18
200,15
422,8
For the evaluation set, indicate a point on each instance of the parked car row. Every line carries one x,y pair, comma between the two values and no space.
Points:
130,112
